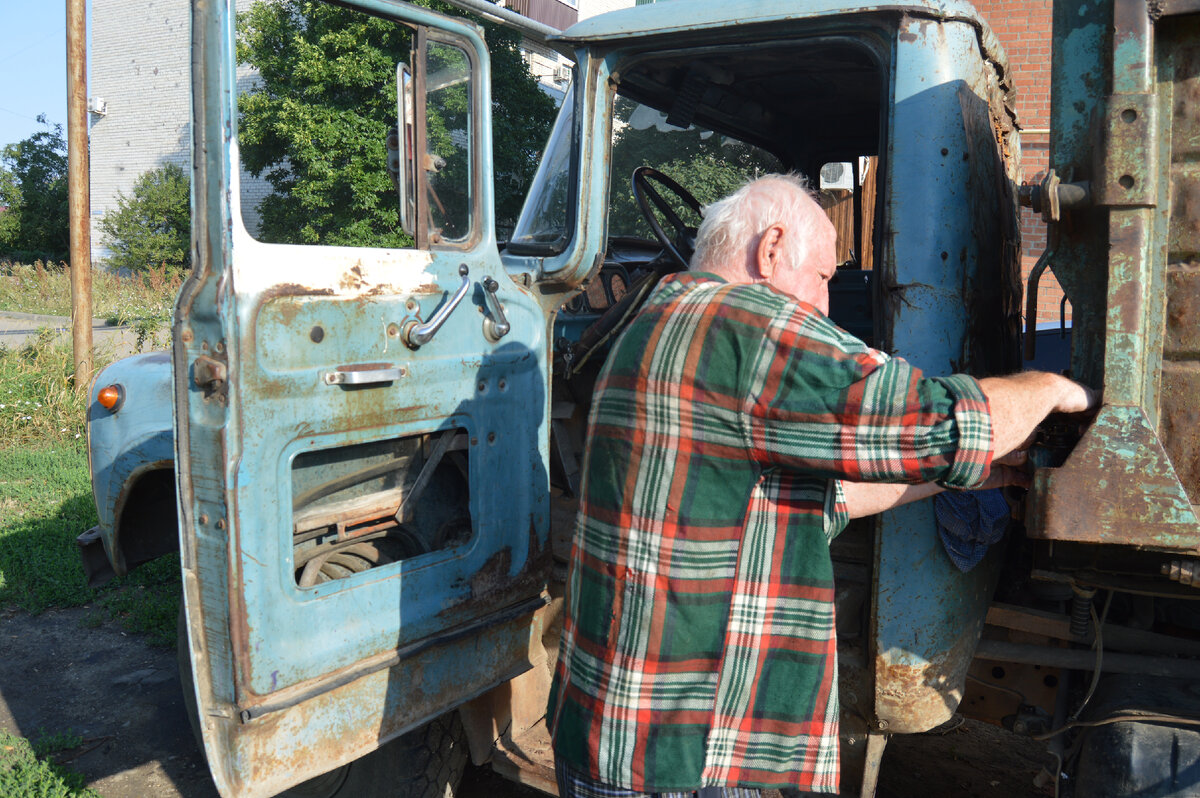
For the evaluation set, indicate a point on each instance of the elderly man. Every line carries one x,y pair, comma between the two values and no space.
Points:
735,430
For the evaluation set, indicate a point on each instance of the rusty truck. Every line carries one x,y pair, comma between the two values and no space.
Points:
367,458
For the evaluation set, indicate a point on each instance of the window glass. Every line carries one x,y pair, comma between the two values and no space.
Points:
319,137
543,223
707,164
448,141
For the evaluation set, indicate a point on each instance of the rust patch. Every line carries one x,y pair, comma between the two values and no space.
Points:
1183,312
1117,487
292,289
1181,423
353,280
492,587
493,576
913,699
1128,298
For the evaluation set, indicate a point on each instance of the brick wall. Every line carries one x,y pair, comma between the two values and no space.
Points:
1023,28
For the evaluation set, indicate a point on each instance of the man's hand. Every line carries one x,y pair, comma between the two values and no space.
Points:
1011,469
1019,402
1076,397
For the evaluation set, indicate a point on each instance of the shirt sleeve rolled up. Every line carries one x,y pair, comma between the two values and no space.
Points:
822,402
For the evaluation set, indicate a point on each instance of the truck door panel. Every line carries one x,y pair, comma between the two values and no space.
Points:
363,511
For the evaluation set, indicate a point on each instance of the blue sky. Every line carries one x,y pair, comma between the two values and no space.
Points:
33,66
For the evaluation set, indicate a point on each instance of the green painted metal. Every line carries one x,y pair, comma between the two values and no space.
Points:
1122,484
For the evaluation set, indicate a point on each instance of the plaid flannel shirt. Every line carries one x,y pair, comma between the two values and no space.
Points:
698,642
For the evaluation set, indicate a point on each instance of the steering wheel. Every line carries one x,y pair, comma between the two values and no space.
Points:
681,246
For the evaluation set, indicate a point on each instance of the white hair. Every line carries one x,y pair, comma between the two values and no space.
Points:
729,234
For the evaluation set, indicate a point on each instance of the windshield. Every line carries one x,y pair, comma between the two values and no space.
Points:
543,225
708,164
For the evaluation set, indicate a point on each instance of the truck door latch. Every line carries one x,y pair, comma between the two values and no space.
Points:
210,374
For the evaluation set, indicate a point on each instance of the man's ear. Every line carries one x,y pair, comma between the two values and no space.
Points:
769,255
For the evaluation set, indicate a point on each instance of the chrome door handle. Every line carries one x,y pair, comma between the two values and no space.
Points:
349,375
416,334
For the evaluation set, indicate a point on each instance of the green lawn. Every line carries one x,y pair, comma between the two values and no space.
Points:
45,503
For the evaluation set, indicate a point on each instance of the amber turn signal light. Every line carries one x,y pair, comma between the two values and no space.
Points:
110,397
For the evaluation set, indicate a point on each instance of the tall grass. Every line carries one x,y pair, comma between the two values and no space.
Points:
38,400
43,287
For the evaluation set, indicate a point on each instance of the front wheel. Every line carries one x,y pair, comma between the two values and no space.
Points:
427,762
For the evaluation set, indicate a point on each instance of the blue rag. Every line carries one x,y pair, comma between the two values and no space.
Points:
968,522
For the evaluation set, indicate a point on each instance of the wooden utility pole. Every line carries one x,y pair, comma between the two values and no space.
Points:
78,186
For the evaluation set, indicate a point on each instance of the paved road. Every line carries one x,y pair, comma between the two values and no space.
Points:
17,328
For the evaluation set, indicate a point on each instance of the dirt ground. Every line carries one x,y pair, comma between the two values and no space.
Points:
59,672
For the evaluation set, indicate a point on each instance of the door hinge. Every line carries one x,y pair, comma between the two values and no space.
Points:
1127,158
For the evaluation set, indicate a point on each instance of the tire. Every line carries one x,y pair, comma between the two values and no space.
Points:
427,762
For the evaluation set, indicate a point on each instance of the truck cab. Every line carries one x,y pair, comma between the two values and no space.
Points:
372,454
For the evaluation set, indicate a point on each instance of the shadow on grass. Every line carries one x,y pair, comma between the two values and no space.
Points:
39,562
40,567
65,666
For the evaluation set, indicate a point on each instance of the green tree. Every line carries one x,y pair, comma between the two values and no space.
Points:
315,125
707,164
152,227
33,186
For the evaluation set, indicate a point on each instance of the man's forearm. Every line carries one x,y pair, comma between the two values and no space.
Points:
1019,402
868,498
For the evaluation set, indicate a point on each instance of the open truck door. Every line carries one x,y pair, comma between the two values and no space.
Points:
361,438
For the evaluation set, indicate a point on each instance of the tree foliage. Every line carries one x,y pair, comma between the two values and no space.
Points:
707,164
152,228
33,186
315,125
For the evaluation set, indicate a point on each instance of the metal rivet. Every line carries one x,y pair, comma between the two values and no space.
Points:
393,331
491,437
410,304
204,345
316,334
220,523
220,347
474,441
881,724
482,386
186,335
203,519
502,384
945,151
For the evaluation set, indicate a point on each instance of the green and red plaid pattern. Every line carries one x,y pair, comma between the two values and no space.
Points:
698,645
